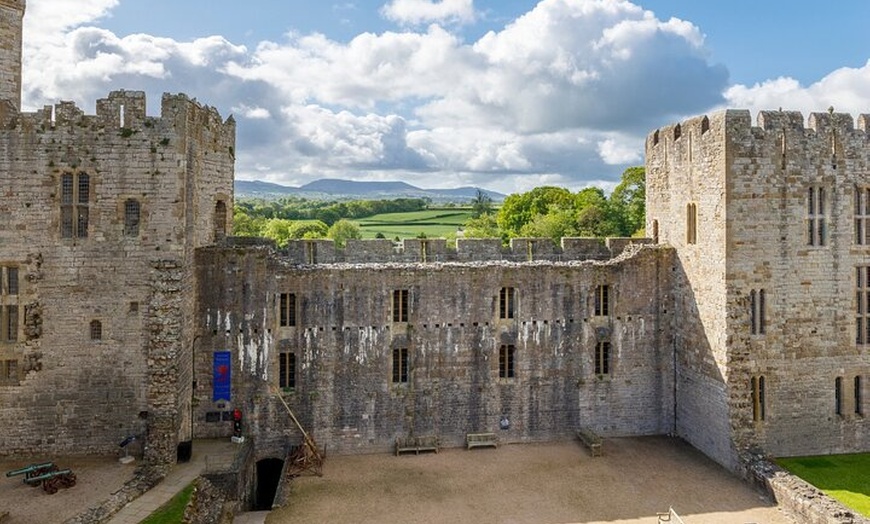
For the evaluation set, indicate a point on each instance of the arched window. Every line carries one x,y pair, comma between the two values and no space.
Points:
96,330
705,125
678,132
131,218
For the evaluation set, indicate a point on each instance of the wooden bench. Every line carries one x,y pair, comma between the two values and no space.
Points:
474,440
416,444
591,440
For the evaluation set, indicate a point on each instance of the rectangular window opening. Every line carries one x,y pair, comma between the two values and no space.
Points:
758,400
287,309
506,357
602,358
287,370
838,395
602,300
400,365
815,221
862,305
400,305
506,302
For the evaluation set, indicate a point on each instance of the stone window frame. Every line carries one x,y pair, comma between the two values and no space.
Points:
838,396
288,310
757,312
75,196
132,217
816,223
10,372
603,363
602,301
287,370
401,299
758,394
10,314
861,214
507,303
220,220
862,305
95,330
691,223
507,357
401,366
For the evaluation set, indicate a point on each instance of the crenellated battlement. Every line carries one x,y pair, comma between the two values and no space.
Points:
124,111
413,251
738,122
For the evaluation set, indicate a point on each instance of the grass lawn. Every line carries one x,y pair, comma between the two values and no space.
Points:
173,511
434,223
843,477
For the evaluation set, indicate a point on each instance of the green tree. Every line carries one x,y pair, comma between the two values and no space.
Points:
308,229
629,200
342,231
520,208
278,229
484,226
481,204
554,225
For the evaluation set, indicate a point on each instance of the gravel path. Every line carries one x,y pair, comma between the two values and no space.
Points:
528,484
96,479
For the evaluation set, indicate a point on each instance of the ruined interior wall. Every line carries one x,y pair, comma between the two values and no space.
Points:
810,335
686,165
345,336
86,395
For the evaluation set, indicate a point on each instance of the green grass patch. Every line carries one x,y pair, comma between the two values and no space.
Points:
173,511
843,477
433,222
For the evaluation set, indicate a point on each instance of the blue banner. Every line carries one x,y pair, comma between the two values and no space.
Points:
222,376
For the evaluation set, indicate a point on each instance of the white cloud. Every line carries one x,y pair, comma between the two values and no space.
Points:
563,94
846,89
416,12
620,152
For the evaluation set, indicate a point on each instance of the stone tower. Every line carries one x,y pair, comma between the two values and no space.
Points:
11,17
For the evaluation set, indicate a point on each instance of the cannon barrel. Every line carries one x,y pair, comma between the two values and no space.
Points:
47,476
29,469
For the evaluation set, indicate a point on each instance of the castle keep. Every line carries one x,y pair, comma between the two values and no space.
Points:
127,308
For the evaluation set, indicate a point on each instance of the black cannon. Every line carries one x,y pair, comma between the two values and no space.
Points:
54,480
33,470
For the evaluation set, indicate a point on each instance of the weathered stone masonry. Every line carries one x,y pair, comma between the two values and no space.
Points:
345,335
776,213
71,391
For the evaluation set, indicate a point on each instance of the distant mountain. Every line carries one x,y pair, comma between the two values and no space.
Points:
330,188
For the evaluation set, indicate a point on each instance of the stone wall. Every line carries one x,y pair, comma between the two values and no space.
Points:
685,165
345,336
11,15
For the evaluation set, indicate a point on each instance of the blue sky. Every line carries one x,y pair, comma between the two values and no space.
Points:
502,94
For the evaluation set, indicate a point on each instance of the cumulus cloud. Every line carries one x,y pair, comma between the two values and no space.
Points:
563,94
846,89
415,12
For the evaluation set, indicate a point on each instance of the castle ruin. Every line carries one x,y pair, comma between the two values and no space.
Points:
127,308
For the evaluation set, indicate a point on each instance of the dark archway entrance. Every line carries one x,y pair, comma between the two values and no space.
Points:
268,478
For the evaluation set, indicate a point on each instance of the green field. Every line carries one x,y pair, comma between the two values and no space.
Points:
434,223
843,477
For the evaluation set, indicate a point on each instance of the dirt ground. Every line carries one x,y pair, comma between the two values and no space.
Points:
96,479
528,484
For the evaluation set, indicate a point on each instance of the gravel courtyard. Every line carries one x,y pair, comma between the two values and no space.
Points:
528,484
